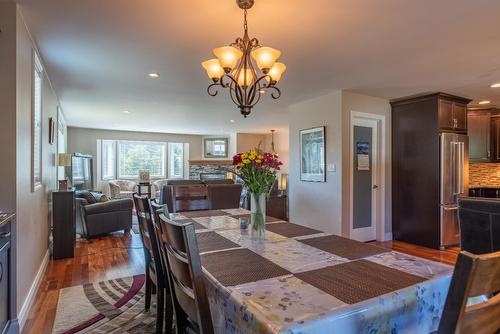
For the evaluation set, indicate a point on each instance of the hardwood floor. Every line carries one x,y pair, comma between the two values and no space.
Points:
118,255
121,255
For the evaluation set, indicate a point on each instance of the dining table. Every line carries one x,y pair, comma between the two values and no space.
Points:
299,280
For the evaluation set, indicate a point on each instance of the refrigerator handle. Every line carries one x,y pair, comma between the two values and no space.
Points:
453,152
458,167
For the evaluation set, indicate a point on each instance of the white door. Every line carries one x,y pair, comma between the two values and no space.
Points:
365,188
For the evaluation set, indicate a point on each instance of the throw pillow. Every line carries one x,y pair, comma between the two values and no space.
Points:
103,198
88,197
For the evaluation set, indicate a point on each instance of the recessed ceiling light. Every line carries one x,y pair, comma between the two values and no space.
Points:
125,111
232,120
484,102
153,75
495,85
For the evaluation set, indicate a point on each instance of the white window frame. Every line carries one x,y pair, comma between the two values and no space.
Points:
170,161
36,122
115,156
141,142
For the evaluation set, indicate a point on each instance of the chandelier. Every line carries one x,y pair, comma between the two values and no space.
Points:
234,70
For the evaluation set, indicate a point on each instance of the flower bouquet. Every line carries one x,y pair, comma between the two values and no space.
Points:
258,170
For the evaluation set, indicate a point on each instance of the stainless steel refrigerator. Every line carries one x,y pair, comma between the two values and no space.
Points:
454,177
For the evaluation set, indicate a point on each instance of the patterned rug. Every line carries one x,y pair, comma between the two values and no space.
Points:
114,306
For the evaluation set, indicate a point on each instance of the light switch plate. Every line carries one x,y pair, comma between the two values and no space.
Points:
331,168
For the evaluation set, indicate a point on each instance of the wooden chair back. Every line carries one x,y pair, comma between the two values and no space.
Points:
148,234
189,197
474,275
187,281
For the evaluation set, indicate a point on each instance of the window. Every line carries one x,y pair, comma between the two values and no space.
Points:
136,156
176,159
108,159
36,125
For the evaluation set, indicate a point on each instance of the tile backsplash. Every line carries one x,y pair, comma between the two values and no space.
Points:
484,175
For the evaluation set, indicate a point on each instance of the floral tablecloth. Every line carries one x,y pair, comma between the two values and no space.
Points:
287,304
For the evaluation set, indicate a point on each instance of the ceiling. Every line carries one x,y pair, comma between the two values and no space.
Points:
98,54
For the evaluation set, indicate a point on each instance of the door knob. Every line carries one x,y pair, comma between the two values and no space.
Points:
375,186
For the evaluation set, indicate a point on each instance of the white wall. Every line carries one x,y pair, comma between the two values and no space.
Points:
325,206
317,204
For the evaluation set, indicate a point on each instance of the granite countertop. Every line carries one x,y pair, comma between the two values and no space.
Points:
6,217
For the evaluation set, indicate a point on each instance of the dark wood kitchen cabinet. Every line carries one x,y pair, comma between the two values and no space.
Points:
417,123
484,135
452,115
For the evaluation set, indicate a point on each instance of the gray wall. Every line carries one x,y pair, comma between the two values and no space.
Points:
83,140
317,204
32,208
326,206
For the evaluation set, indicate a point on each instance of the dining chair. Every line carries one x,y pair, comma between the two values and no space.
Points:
187,281
479,220
156,279
474,275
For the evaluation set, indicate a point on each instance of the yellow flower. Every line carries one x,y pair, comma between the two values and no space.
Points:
251,157
244,156
246,161
258,161
260,157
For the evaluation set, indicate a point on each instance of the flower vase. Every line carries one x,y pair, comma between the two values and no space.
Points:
258,215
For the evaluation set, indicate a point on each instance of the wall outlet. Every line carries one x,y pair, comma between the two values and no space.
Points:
331,168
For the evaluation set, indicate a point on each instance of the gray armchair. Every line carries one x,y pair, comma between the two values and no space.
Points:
103,217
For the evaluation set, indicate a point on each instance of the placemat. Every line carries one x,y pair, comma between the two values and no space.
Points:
290,230
356,281
197,226
269,219
211,241
343,247
240,266
203,213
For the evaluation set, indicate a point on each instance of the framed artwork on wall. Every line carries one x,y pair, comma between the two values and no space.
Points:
216,147
312,154
51,131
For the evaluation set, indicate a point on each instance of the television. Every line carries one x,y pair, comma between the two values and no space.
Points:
81,172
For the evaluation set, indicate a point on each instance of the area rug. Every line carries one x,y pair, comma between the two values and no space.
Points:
114,306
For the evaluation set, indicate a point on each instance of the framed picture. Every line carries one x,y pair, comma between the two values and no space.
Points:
51,130
216,147
312,154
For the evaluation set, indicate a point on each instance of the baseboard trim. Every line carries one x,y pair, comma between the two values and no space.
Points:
23,312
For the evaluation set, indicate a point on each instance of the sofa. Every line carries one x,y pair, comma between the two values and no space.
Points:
190,195
96,217
122,188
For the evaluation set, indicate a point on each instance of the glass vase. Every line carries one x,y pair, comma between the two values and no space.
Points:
258,215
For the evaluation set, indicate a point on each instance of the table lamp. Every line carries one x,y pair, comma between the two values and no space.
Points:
64,160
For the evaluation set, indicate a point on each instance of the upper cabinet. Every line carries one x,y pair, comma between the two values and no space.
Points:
452,115
484,135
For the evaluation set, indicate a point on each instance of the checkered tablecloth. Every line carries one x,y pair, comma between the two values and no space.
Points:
313,282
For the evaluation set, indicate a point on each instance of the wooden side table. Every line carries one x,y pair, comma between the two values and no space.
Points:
64,224
140,186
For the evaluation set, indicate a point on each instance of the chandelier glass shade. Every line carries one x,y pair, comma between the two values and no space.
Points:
245,68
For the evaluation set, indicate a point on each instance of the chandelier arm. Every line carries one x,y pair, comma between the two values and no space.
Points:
211,90
275,95
235,89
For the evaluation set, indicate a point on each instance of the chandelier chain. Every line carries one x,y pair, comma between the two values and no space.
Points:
245,24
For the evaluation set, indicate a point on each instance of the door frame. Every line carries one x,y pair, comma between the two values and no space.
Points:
379,210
